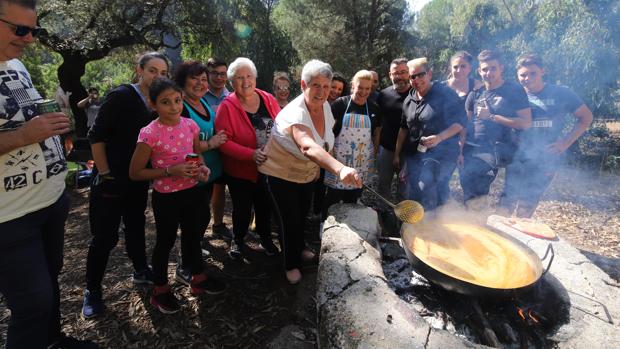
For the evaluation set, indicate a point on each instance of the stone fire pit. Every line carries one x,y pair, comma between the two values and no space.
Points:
357,308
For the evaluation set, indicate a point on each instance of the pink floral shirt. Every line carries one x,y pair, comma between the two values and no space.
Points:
169,145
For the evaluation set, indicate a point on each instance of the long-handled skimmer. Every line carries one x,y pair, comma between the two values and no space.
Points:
408,211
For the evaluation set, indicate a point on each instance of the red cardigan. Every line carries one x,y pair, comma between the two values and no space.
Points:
238,150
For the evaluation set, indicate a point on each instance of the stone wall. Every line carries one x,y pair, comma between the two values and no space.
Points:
357,309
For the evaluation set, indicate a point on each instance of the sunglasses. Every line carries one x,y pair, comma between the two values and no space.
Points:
282,88
23,30
418,75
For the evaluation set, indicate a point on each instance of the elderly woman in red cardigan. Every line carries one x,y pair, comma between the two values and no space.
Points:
247,116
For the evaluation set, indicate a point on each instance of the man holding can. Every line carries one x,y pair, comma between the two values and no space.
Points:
497,111
33,203
432,117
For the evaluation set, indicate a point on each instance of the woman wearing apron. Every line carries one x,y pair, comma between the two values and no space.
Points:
357,130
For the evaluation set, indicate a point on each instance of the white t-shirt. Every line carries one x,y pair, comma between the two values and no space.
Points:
31,177
296,113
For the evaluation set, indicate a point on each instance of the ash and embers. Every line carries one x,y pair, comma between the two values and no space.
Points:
527,320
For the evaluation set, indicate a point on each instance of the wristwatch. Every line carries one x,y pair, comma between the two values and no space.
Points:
492,117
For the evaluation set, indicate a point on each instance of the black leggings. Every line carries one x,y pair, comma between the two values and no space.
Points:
245,195
171,210
291,202
105,214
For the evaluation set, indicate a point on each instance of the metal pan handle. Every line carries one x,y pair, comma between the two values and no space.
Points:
549,249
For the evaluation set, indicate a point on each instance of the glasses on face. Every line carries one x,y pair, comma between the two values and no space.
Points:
282,88
418,75
216,74
23,30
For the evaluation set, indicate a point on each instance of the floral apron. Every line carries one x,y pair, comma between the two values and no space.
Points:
353,147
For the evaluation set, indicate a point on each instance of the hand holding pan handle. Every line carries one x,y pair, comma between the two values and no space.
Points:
549,249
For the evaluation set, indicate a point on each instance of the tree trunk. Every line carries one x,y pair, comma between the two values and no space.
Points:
70,73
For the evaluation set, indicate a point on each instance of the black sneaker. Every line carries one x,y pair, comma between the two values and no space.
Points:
222,230
143,277
183,276
92,305
203,248
66,342
165,301
237,249
206,284
269,247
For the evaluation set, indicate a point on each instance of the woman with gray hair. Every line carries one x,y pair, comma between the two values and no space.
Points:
298,146
246,116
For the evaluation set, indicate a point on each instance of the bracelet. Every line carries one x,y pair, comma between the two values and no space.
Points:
340,170
167,171
492,117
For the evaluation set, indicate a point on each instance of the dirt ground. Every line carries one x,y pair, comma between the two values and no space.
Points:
614,127
581,207
256,305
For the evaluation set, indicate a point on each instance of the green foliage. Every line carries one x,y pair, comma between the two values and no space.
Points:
108,73
596,149
42,66
229,29
350,35
579,40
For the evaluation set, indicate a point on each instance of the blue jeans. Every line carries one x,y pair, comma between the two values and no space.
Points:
477,174
425,175
31,253
526,181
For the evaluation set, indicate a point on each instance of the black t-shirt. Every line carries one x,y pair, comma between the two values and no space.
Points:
436,111
471,83
262,123
123,113
391,104
550,107
505,100
339,107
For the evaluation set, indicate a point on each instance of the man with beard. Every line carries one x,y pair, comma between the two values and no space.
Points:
390,102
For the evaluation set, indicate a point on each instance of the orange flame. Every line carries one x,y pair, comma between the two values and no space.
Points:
529,313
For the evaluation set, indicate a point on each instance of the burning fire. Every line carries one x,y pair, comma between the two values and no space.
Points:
528,315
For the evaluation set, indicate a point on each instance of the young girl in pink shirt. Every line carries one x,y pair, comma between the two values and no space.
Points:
166,141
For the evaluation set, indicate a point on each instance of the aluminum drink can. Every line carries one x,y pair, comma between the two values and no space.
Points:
192,157
47,106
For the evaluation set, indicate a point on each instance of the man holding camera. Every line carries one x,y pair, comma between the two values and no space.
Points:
91,104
